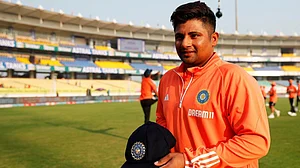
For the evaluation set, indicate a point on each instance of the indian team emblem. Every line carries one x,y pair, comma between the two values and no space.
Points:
138,151
203,96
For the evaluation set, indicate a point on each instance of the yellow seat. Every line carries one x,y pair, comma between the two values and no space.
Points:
248,68
168,67
50,62
288,55
105,48
290,68
23,60
112,64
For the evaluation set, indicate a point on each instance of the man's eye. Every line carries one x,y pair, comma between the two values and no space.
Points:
178,38
194,35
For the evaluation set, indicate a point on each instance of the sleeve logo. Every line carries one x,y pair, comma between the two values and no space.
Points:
203,96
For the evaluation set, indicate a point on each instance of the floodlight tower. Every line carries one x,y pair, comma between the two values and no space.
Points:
219,14
236,16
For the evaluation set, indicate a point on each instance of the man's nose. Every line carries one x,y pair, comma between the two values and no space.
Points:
186,42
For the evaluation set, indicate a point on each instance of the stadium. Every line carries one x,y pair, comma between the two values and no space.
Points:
50,58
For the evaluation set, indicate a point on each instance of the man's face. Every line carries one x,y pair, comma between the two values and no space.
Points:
195,42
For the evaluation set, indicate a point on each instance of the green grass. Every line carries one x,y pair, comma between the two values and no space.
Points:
95,135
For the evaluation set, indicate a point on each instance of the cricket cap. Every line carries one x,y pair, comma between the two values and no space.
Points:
147,144
147,73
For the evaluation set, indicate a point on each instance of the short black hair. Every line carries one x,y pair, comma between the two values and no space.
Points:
193,10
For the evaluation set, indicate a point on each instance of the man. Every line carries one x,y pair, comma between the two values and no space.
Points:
263,92
292,91
273,99
147,99
211,107
298,95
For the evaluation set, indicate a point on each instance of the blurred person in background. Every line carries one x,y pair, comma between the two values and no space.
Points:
273,99
298,95
263,92
292,91
147,99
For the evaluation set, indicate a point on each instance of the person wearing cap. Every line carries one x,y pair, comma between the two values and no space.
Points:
212,107
273,99
147,99
292,91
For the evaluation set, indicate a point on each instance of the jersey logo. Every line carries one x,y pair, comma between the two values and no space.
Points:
138,151
203,96
166,97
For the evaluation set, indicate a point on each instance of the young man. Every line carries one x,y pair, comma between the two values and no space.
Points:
292,91
298,95
263,92
273,99
147,99
211,107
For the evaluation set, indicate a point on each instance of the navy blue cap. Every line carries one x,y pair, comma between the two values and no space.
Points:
147,73
147,144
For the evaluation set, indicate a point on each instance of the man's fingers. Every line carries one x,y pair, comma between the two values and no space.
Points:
163,160
168,164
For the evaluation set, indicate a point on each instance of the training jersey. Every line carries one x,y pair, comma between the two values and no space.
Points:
215,114
273,95
147,88
292,91
298,91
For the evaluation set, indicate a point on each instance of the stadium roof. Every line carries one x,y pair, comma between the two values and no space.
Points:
19,9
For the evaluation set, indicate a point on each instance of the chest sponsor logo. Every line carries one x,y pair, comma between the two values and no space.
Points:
203,96
201,113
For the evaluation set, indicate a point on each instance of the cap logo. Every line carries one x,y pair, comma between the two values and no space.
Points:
138,151
203,96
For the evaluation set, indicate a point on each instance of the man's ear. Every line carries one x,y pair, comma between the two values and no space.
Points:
214,38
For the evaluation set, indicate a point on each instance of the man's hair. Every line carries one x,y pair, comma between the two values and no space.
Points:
194,10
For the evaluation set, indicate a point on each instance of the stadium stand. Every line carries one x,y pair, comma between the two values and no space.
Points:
143,66
82,58
79,63
8,59
271,68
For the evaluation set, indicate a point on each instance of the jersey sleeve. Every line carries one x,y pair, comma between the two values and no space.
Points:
160,118
247,117
153,87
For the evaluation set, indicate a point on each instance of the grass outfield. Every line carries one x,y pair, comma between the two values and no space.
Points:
95,135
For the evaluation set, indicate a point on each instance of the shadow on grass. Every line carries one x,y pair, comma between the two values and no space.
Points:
101,131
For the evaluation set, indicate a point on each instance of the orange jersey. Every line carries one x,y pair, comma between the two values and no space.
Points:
147,88
298,91
215,114
273,95
292,91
